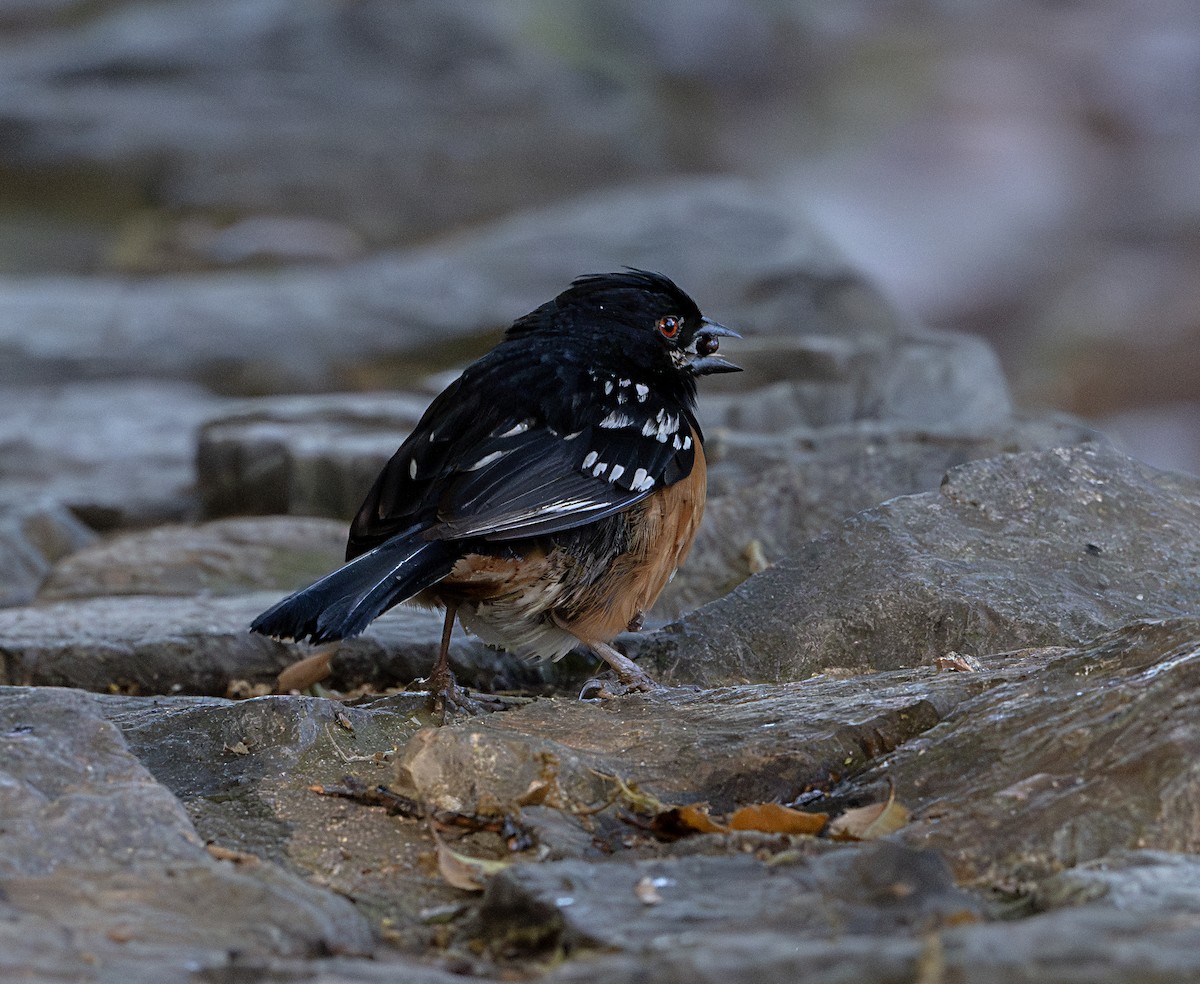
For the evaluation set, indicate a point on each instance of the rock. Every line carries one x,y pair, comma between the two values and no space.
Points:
139,644
725,748
769,496
368,323
32,537
202,645
1095,754
865,372
96,854
316,455
295,110
575,906
246,772
230,556
1117,939
115,454
1036,549
1018,778
271,239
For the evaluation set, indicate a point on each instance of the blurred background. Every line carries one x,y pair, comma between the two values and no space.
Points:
229,192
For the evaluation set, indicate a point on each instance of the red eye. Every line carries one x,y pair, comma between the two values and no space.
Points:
669,326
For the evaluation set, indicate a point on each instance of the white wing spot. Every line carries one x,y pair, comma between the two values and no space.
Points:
412,467
642,480
599,469
687,443
615,420
607,386
676,443
643,391
624,382
590,459
487,459
617,472
519,428
661,427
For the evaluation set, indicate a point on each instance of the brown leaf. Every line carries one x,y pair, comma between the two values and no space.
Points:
958,663
469,874
872,821
772,818
303,674
682,821
229,854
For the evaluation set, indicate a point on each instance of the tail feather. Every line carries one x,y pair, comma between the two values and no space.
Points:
345,602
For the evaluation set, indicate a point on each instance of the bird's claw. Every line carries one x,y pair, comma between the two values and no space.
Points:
607,686
447,699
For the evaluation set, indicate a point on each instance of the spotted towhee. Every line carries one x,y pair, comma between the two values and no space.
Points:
549,494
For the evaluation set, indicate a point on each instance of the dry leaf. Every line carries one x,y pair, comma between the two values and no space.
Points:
682,821
303,674
958,663
872,821
771,818
469,874
243,689
229,854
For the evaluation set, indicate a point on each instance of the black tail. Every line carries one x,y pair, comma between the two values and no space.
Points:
345,602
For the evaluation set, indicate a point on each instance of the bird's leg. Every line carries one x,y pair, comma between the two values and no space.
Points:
632,677
442,685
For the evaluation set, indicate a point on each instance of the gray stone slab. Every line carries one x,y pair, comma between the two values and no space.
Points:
1043,548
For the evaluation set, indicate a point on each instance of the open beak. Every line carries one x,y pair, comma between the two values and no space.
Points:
704,345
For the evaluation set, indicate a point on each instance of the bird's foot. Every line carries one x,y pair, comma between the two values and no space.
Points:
448,700
630,678
605,686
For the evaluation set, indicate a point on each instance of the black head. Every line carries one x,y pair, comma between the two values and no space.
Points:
633,316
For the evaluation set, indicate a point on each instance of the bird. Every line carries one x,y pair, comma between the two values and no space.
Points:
547,496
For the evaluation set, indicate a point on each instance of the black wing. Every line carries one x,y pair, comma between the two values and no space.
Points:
474,470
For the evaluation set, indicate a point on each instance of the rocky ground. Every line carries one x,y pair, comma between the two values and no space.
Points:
931,673
967,638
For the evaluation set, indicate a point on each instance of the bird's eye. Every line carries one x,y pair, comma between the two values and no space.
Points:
669,326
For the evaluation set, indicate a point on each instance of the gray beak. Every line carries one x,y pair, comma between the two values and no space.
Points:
704,345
